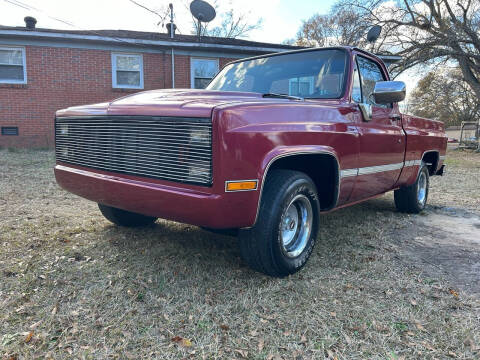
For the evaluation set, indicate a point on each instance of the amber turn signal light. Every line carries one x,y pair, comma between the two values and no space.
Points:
241,185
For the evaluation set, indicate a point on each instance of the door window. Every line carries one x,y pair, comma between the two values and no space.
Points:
357,88
370,73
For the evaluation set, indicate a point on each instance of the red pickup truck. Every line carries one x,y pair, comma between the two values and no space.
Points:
272,143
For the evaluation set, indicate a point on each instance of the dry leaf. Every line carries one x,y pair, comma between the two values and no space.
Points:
469,342
224,327
29,337
33,326
183,342
303,339
286,333
453,292
55,309
419,326
413,302
333,314
427,346
331,354
186,343
13,357
261,344
347,339
242,353
452,354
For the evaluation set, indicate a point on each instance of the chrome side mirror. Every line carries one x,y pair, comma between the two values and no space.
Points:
386,92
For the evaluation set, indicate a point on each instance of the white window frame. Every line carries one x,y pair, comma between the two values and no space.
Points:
192,72
114,71
24,58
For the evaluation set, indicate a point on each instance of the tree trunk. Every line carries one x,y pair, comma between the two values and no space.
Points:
469,76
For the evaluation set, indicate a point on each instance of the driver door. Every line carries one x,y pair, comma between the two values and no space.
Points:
382,140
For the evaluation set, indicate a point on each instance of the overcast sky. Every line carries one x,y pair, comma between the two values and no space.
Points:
281,18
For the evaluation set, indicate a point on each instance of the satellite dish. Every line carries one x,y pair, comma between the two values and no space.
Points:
202,11
374,33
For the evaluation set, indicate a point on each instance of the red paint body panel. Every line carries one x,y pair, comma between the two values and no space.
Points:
248,134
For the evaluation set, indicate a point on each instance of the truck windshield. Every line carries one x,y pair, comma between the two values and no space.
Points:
311,74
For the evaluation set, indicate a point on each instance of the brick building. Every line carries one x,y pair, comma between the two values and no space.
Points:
43,70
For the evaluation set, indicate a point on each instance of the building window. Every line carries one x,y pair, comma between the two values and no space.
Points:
127,71
202,72
13,67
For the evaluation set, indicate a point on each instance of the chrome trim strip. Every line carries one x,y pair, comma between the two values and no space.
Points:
379,168
348,173
237,181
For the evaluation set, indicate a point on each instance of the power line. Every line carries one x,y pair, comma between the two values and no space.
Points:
162,17
32,8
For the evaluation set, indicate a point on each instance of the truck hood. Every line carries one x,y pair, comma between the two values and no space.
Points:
174,102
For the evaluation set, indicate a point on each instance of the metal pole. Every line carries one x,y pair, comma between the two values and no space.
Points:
173,69
173,53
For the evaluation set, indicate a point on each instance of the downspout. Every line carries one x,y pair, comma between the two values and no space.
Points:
173,69
172,34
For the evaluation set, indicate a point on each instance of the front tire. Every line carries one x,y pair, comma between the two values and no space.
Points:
412,199
125,218
284,235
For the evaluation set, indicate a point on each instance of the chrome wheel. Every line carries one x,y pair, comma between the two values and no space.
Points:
422,189
296,226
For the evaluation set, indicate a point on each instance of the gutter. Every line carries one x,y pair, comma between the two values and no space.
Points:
164,43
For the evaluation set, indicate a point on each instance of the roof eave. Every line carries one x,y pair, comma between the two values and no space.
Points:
141,42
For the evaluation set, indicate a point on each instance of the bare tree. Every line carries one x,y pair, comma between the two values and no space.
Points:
429,32
234,25
444,95
339,27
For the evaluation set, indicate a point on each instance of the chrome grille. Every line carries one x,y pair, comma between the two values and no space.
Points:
174,149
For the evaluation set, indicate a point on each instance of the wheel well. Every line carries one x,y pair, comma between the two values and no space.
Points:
431,159
322,169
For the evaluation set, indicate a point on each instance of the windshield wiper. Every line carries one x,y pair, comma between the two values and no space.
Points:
282,96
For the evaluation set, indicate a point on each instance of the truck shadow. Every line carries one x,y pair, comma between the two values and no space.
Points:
192,248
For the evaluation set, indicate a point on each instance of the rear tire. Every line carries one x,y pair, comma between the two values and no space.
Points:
282,240
125,218
412,199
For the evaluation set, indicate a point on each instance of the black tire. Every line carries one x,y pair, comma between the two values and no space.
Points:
125,218
409,199
263,247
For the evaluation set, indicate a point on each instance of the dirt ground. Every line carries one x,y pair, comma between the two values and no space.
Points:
379,285
447,241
